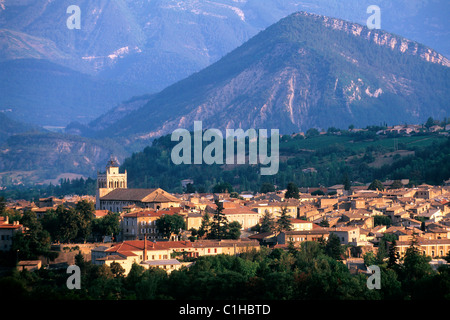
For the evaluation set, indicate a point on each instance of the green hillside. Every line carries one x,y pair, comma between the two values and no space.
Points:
422,158
304,71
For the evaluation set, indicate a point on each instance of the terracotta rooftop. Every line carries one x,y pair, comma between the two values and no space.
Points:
128,247
142,195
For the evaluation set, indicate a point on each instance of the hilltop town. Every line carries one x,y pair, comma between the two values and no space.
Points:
359,216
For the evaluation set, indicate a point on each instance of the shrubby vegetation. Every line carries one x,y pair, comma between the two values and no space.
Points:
343,158
65,187
337,159
311,272
60,225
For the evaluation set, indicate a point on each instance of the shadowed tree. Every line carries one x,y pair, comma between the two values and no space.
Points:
284,221
376,185
34,241
170,225
292,191
219,223
333,247
267,222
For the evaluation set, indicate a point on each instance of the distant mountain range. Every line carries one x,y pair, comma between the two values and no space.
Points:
305,71
137,70
44,93
127,48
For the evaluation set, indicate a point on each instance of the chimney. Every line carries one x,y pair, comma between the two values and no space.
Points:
145,248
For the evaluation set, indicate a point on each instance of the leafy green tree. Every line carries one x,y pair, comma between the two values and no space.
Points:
291,247
447,257
219,222
292,191
2,206
393,255
267,222
148,288
346,182
313,132
133,277
376,185
267,187
68,224
223,187
108,225
34,241
117,270
170,225
382,220
50,223
415,264
190,188
79,260
205,226
308,253
318,193
370,259
284,222
333,247
86,211
233,230
429,123
382,252
397,184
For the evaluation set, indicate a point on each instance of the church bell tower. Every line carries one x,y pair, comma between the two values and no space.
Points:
110,180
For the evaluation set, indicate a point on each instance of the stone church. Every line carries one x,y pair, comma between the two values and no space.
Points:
113,193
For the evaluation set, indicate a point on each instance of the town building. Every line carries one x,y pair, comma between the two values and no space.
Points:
432,248
114,195
297,237
163,254
7,232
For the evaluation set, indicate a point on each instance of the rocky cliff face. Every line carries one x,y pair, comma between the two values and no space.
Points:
148,45
305,71
383,38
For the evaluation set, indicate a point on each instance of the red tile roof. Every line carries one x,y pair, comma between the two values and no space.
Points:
100,213
127,247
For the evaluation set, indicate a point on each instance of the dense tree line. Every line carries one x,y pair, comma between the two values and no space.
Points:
336,159
61,225
77,186
311,272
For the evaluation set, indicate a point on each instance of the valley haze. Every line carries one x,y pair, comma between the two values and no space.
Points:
220,150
